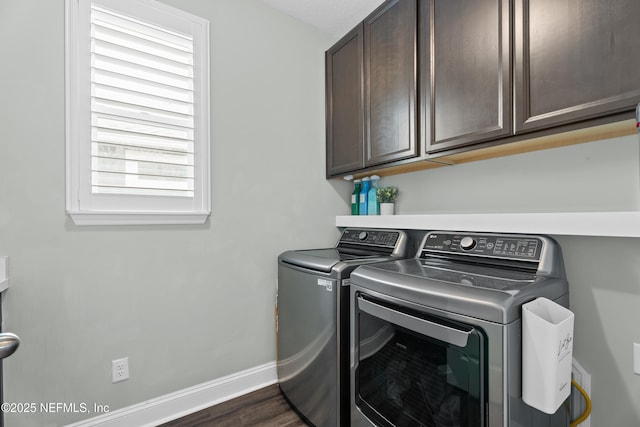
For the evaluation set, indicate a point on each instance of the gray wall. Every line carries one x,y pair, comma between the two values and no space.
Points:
82,296
185,304
603,273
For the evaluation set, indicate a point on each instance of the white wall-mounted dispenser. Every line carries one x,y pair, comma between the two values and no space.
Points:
547,352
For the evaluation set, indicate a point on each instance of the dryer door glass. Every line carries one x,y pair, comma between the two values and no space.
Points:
417,370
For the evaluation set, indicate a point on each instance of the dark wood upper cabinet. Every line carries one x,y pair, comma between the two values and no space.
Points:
575,60
465,72
344,104
489,72
390,82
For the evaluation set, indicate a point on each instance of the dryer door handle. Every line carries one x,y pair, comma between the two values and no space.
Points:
8,344
448,334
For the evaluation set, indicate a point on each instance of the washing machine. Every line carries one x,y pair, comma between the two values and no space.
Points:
313,320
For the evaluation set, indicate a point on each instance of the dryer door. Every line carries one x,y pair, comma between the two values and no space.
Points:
417,369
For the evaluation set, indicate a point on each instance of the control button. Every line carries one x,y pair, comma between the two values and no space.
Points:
468,243
363,235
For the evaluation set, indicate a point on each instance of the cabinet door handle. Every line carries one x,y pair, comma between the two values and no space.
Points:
8,344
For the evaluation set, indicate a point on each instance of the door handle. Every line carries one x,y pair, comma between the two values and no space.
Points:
8,344
425,327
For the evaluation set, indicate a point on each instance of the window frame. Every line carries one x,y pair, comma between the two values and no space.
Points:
86,208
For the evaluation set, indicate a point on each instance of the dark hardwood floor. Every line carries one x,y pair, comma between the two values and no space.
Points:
265,407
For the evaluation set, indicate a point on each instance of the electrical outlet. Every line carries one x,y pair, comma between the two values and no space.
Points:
636,356
119,370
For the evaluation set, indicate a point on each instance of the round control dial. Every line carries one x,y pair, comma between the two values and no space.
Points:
467,243
363,235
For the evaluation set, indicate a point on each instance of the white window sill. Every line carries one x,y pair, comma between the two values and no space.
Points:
612,224
138,218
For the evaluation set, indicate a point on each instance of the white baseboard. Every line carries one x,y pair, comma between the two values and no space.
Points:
178,404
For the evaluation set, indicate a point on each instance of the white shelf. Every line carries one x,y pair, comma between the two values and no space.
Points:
613,224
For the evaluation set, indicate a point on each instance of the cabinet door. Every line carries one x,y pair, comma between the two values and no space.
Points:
575,60
345,115
465,72
390,76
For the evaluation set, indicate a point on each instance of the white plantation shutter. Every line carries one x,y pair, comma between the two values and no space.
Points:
144,146
141,108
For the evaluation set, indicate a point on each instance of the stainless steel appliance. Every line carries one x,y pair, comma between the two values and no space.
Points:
437,339
313,326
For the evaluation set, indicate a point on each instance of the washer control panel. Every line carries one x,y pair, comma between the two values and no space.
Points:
370,237
502,246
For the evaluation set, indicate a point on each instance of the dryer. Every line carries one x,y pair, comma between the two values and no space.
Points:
437,339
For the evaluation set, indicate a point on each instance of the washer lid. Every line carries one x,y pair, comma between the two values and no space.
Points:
326,259
485,292
356,246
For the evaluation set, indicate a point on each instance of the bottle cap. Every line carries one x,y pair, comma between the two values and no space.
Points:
366,178
375,177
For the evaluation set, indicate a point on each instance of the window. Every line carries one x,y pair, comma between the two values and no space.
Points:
137,112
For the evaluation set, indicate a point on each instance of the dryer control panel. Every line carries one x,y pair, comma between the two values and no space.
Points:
502,246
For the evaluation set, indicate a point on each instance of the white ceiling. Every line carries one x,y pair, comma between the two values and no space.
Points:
335,17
